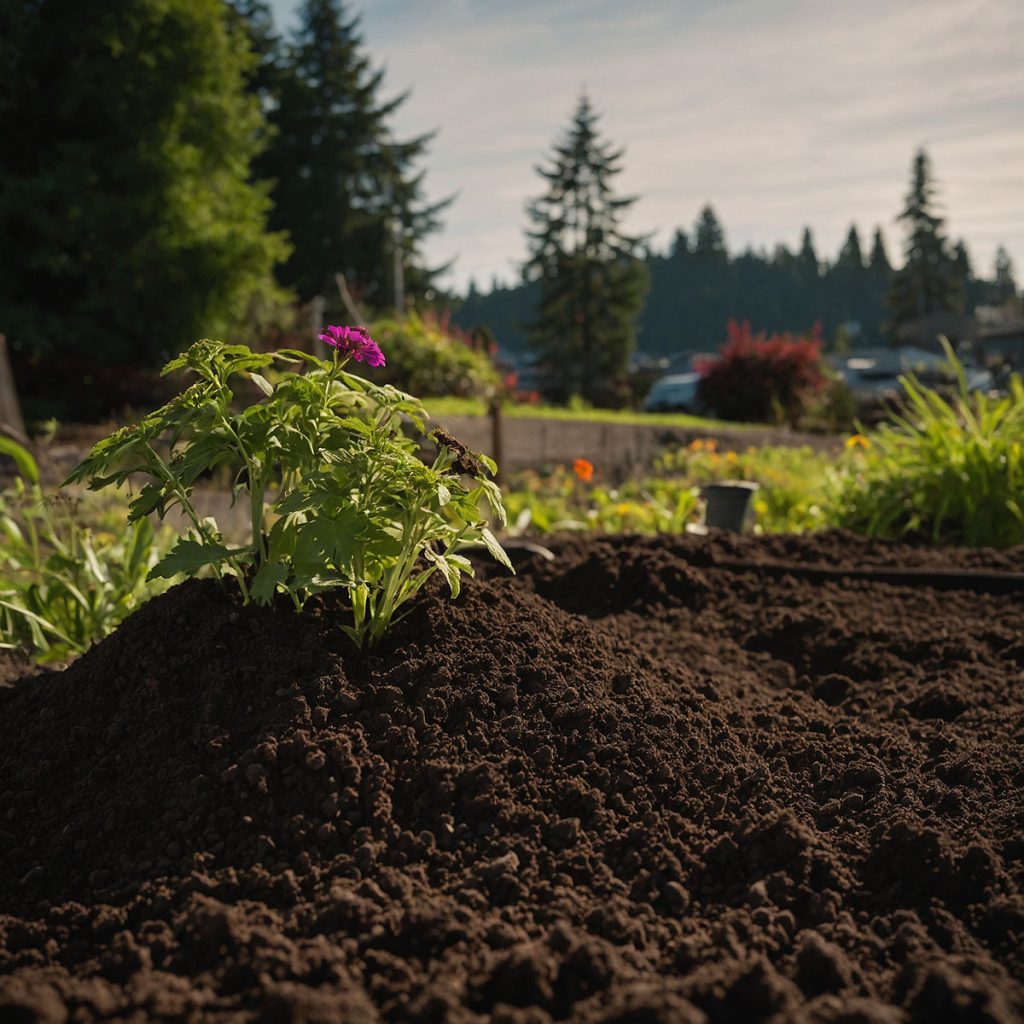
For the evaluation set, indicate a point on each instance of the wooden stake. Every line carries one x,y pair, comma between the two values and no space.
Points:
11,420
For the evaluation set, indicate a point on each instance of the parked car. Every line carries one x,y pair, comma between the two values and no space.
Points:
676,392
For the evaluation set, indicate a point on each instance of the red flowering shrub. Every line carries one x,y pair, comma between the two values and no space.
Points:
761,378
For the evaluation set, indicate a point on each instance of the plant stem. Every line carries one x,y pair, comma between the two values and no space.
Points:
190,511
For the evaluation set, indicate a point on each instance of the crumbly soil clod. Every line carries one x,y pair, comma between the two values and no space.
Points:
628,785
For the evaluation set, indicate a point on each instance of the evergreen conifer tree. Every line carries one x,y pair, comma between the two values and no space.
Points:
710,238
345,190
591,283
927,281
128,223
1004,285
808,256
878,261
255,20
850,255
680,247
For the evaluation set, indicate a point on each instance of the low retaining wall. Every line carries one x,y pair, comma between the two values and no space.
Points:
529,443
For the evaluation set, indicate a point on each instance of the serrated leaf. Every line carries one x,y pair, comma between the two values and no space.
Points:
188,557
496,550
451,573
266,581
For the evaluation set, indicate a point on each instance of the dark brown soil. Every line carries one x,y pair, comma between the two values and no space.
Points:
628,786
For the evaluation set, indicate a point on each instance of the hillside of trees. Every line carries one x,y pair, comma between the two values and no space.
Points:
697,285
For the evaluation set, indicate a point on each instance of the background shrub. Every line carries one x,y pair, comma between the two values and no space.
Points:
761,378
428,359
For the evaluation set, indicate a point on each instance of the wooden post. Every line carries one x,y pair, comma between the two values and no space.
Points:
10,409
316,323
497,441
399,270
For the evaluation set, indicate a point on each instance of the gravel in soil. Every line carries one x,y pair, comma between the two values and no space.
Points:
630,785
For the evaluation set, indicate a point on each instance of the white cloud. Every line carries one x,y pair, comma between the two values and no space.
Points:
780,112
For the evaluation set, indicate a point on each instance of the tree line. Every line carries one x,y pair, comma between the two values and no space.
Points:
177,168
180,168
680,299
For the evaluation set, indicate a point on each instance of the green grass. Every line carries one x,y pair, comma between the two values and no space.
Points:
441,407
947,472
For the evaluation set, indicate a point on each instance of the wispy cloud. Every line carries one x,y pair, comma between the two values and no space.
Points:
780,112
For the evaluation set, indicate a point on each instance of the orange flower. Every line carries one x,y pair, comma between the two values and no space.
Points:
584,469
858,441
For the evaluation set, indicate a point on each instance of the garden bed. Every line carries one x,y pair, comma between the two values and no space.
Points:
648,781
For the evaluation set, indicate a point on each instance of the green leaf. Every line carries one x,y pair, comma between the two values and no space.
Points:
327,542
26,465
152,498
496,550
266,581
188,557
141,545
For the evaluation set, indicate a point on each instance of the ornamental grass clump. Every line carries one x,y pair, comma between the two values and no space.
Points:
69,570
338,496
945,471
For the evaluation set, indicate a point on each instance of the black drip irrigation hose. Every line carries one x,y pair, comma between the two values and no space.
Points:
979,581
976,580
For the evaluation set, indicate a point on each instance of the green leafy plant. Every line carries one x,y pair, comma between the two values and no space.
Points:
945,471
792,496
337,495
428,357
69,570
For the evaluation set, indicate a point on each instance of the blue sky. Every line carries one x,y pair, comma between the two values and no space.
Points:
780,113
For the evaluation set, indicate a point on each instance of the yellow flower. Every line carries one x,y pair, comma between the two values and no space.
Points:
731,458
623,509
857,441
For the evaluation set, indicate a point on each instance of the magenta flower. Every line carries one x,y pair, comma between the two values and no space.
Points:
353,343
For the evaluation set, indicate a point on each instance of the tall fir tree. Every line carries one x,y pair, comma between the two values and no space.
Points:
808,256
591,283
710,238
878,260
927,281
254,19
851,257
346,191
128,222
1004,284
680,247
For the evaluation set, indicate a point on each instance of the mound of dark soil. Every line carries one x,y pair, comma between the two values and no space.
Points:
630,785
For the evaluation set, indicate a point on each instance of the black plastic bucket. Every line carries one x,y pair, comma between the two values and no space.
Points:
727,503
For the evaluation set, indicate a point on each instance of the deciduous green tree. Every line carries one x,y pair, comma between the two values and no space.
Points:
591,283
128,222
